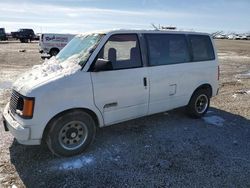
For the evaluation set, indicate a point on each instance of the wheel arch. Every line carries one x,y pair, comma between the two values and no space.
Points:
205,86
90,112
54,48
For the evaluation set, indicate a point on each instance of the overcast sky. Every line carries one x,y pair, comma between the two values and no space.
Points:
76,16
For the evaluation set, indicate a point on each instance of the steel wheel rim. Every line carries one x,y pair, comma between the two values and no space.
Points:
73,135
201,104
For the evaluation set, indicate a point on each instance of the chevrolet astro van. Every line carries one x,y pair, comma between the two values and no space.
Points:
104,78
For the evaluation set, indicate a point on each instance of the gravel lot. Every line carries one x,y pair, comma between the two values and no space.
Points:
162,150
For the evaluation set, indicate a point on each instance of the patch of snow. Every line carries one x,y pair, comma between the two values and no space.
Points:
209,112
214,120
117,158
5,84
243,92
52,65
234,95
14,186
50,69
246,75
231,56
76,163
234,57
222,54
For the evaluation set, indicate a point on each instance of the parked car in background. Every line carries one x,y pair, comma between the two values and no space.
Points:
248,37
237,37
52,43
220,36
2,34
243,37
104,78
37,36
24,35
230,37
14,34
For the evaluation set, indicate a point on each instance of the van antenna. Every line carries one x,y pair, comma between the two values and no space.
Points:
156,28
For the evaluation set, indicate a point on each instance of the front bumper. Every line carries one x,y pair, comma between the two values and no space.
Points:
21,133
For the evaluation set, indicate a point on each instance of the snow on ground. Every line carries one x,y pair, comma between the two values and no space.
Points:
245,75
5,85
232,56
234,95
73,163
241,92
214,120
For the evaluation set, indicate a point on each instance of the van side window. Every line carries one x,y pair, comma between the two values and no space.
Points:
202,48
123,51
165,49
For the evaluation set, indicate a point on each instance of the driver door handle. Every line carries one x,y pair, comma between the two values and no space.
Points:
145,82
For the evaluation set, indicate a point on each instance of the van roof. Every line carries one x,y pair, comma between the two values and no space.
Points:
121,31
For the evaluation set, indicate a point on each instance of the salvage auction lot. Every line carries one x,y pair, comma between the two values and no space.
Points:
164,150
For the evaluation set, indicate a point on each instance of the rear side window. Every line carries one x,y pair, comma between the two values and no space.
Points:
202,48
165,49
123,51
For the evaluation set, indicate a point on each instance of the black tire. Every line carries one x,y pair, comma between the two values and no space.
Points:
198,104
71,133
53,52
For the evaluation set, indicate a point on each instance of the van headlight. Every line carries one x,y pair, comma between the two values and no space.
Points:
21,105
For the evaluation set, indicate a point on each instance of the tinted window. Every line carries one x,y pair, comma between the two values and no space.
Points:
167,49
202,48
123,51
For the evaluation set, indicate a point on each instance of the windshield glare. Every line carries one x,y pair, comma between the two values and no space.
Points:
79,48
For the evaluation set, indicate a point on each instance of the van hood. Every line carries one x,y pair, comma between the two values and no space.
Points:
50,70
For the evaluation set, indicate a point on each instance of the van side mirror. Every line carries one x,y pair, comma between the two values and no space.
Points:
102,65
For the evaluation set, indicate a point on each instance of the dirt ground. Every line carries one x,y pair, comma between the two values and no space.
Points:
162,150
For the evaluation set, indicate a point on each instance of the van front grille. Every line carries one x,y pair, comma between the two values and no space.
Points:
16,102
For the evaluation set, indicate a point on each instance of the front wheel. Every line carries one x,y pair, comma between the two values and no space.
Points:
71,133
198,104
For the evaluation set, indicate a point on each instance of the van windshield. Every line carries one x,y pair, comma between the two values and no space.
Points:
79,48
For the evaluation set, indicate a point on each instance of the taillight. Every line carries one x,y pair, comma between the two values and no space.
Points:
218,76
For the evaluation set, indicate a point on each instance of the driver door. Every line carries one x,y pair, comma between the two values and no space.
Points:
123,92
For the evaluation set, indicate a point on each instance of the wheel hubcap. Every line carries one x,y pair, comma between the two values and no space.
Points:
201,104
73,135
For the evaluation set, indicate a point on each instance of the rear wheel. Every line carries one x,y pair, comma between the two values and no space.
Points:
199,103
71,133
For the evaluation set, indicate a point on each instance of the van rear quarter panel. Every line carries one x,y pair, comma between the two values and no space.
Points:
194,74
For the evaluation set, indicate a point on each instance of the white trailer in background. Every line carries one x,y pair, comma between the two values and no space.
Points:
51,43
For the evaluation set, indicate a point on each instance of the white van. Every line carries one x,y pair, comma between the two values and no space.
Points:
100,79
52,43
